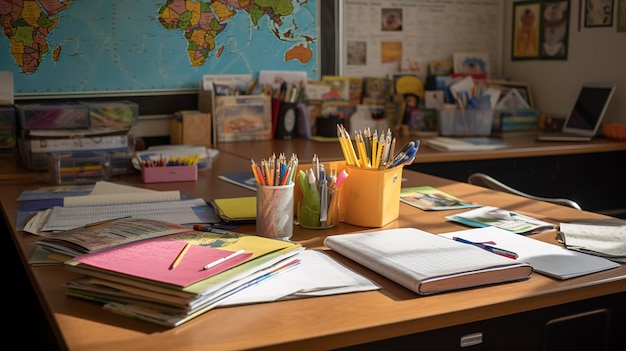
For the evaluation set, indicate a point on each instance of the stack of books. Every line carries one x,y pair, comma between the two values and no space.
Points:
166,273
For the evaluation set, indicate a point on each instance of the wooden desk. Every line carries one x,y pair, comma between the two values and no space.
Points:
522,144
582,171
323,322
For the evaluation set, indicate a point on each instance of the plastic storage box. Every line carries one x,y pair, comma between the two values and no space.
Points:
465,122
78,167
504,121
121,114
53,116
8,138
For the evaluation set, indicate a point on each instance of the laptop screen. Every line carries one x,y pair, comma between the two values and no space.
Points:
589,109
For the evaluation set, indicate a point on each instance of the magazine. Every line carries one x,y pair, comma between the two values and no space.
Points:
429,198
489,216
244,179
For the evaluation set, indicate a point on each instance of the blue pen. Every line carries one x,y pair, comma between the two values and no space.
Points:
406,155
496,250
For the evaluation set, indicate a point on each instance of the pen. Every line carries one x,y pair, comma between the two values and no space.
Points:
408,149
180,256
501,252
210,227
223,259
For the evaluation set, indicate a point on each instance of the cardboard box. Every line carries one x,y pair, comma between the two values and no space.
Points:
191,128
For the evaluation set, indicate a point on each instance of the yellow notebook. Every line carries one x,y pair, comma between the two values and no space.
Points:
235,209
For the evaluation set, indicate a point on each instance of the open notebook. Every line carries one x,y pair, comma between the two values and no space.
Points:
587,114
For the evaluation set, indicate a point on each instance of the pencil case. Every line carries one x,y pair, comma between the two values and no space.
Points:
162,174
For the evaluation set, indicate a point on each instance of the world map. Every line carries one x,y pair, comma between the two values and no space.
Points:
102,46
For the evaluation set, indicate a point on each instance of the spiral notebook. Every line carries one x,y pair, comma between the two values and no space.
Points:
427,263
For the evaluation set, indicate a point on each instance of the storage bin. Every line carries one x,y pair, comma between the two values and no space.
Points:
511,120
163,174
53,116
370,197
78,167
122,114
8,127
465,122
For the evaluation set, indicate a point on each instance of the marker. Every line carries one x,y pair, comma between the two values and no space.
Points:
223,259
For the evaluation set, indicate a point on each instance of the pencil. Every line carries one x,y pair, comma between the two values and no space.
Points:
180,256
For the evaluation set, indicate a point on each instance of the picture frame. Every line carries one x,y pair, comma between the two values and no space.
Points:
599,13
554,30
621,15
525,33
243,118
470,62
505,86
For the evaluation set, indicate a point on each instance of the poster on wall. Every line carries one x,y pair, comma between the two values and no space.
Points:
383,37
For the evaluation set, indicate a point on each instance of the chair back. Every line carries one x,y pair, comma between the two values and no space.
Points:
489,182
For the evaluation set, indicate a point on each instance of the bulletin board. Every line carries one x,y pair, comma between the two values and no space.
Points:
382,37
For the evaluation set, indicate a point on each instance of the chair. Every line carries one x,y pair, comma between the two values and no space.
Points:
486,181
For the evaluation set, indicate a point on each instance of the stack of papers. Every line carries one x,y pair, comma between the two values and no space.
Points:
108,201
465,144
606,239
169,274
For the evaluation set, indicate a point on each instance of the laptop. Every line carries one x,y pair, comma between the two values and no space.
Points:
586,116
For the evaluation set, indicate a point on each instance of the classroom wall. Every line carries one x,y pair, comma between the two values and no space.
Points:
595,54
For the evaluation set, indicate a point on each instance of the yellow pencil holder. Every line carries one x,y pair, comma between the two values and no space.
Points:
370,197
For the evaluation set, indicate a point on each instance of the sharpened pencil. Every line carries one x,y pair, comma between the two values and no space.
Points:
180,256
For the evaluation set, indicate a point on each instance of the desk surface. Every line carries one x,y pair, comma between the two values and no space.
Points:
522,144
304,324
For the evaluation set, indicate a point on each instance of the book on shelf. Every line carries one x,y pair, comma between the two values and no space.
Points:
489,216
430,198
548,259
235,209
465,144
427,263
